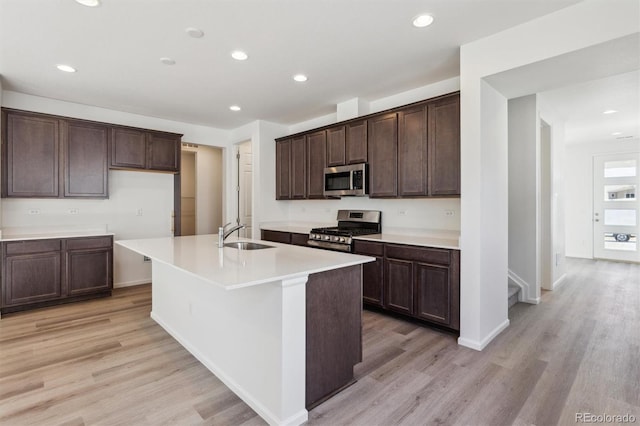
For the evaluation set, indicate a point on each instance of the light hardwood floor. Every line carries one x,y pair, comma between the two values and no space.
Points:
106,362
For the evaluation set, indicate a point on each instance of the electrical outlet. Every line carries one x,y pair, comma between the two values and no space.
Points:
146,259
449,213
139,212
74,211
33,211
402,212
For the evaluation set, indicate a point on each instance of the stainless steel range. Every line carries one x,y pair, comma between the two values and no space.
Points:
351,223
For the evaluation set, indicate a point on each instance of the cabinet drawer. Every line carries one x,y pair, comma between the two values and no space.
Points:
276,236
35,246
419,254
299,239
368,247
89,243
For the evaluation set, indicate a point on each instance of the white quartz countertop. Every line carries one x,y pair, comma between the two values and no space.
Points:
231,268
417,237
20,234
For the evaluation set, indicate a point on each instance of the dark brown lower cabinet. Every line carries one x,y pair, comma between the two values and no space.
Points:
423,283
399,294
38,273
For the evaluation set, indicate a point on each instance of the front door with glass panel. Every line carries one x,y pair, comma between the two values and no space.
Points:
616,207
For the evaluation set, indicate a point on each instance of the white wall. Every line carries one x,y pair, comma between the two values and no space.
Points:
484,312
129,191
579,191
523,193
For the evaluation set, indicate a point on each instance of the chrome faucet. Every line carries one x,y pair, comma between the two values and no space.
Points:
223,234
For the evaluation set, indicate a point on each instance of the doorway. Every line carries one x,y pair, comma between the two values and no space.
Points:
245,188
201,189
188,192
616,206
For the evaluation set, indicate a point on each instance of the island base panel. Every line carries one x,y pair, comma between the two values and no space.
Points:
333,331
252,338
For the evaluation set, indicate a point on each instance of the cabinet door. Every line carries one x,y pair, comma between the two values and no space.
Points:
128,148
412,152
85,160
32,278
356,142
298,168
383,156
89,271
444,146
163,152
283,170
317,155
336,146
31,156
433,293
373,282
399,285
299,239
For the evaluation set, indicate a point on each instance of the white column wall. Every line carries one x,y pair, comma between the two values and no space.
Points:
483,308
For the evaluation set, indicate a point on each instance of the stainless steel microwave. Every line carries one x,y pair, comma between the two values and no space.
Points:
346,180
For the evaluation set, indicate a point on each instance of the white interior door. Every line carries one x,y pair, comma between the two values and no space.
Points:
616,207
245,187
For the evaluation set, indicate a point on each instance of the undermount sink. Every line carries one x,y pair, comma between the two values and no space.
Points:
246,245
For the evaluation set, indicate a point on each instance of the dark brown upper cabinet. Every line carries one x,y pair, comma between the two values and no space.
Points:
86,153
128,148
163,151
336,140
347,144
383,155
145,150
298,168
412,152
31,155
444,146
356,142
316,156
283,170
38,146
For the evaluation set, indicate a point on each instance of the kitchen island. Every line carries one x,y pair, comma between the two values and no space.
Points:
280,326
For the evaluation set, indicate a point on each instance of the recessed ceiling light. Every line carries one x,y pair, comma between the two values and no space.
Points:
616,133
422,21
609,111
65,68
300,78
235,108
239,55
90,3
194,32
168,61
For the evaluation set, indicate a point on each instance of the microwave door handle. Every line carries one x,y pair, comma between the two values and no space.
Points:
351,180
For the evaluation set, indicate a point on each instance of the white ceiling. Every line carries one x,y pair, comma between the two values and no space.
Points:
348,48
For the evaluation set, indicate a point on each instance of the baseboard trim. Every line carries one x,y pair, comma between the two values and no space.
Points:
559,282
523,296
132,283
479,345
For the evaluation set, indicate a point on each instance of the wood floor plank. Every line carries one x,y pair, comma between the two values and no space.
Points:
106,362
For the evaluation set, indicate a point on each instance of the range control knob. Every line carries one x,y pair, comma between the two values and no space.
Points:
326,237
342,240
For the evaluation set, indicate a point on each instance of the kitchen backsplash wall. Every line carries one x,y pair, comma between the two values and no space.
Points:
139,206
419,213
